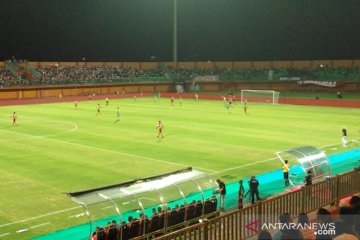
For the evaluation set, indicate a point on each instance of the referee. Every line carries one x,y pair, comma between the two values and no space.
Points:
286,169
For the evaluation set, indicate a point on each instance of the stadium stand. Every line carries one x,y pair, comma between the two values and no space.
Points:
345,220
19,73
6,77
53,74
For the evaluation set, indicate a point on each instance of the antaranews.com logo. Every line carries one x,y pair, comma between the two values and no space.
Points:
318,228
324,229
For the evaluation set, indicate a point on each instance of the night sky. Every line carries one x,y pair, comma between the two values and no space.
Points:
216,30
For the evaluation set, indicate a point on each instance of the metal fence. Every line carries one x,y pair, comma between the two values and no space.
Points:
247,222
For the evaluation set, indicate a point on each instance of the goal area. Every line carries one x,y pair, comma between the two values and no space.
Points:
267,96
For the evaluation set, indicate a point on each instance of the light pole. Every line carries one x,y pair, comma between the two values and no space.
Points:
175,58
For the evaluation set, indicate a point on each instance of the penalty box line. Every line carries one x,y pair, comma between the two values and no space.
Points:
131,155
112,151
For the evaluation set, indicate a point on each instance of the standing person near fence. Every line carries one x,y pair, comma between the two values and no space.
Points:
344,137
222,191
254,184
286,169
241,195
308,178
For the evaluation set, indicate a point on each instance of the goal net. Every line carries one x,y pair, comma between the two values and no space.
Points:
268,96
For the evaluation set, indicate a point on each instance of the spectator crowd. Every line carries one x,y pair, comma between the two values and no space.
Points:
341,224
55,74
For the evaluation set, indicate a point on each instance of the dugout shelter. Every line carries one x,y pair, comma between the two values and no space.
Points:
188,193
303,159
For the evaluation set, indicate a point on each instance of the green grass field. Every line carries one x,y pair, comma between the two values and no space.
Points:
56,149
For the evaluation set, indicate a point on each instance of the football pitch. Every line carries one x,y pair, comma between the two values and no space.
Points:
56,148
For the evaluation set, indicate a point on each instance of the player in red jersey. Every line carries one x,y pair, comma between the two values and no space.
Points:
14,117
160,128
196,97
226,103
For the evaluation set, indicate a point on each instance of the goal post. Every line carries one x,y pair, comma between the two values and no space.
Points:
267,96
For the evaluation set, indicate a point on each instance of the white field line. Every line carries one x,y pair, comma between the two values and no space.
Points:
176,106
150,199
225,170
355,140
129,155
77,215
4,234
75,127
244,165
330,145
40,216
146,198
65,210
102,149
40,225
116,152
108,207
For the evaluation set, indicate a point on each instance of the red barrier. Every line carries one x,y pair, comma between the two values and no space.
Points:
296,101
